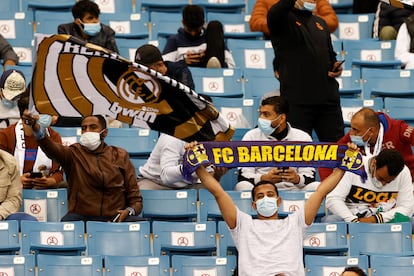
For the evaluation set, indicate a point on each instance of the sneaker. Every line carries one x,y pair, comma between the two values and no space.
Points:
213,62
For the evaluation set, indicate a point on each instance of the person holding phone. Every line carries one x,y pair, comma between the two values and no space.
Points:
37,171
306,67
274,127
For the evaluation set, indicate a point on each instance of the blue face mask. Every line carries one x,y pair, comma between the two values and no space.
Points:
358,140
309,6
267,206
44,120
91,29
266,125
9,104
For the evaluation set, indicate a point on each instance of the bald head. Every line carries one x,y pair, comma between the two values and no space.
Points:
366,123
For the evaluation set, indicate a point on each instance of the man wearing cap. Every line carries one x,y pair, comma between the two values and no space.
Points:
18,140
150,56
12,85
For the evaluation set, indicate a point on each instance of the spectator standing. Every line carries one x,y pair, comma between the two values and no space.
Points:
306,66
258,18
86,26
101,178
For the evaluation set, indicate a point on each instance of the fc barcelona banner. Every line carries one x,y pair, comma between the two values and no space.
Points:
72,78
272,154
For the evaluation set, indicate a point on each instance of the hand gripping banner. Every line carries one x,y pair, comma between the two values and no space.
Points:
272,154
75,79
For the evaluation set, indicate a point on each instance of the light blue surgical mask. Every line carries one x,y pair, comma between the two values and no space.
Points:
44,120
267,206
91,29
265,125
309,6
358,140
9,104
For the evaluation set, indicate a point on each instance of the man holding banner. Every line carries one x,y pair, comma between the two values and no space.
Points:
274,127
263,243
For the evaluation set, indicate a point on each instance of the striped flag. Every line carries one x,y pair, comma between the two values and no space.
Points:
75,79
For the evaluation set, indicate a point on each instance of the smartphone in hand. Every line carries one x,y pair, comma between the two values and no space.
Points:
36,174
336,68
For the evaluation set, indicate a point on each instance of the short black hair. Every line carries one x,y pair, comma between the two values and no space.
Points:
263,182
392,159
85,6
193,16
101,119
279,104
355,269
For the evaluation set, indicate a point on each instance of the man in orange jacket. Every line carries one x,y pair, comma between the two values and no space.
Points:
258,18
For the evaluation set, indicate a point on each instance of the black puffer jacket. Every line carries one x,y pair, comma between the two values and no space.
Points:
388,15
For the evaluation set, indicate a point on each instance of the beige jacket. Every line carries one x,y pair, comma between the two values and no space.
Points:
10,185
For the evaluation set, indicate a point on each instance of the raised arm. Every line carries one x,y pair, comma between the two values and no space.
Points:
224,201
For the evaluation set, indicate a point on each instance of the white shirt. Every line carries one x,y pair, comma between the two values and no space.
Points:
402,47
270,247
256,173
351,196
165,163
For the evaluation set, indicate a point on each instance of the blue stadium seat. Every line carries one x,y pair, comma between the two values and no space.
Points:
351,105
209,209
259,82
173,6
137,265
178,205
46,205
118,239
317,265
235,25
127,47
184,238
47,4
136,141
369,53
116,6
24,50
229,6
9,237
10,6
401,109
226,243
230,179
69,135
338,48
218,82
350,83
326,239
293,200
164,24
205,265
127,25
17,27
240,132
252,54
53,265
23,265
380,239
47,21
53,238
354,26
397,83
392,265
240,112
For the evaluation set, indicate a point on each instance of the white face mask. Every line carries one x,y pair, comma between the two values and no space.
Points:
267,206
377,184
91,140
